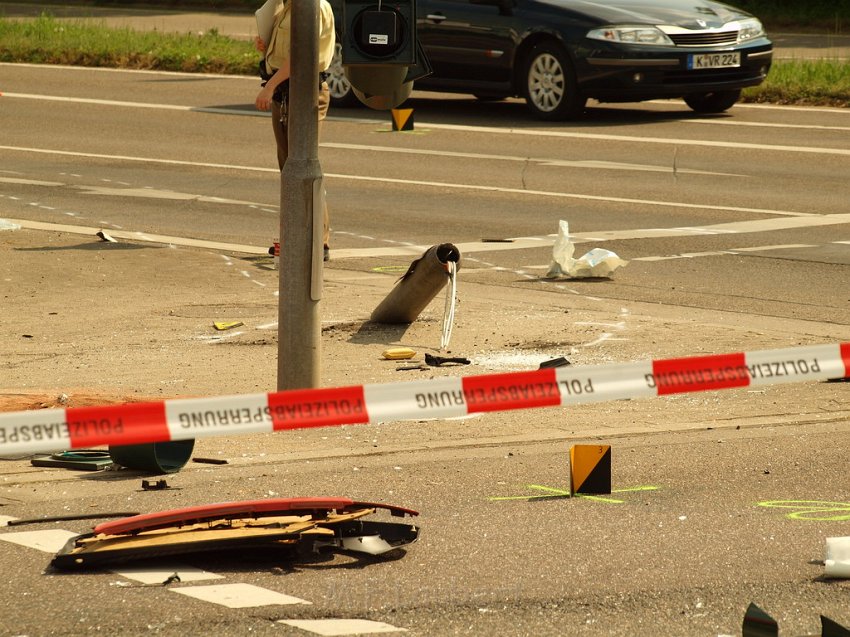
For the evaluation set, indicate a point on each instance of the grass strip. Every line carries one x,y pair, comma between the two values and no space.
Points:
814,82
46,40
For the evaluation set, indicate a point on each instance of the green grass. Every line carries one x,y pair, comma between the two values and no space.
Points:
46,40
820,82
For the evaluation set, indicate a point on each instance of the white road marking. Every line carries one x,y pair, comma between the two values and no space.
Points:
103,69
148,105
567,195
592,164
157,575
29,182
238,595
432,184
734,227
729,122
519,243
341,627
152,238
548,133
49,541
490,130
169,162
153,193
714,253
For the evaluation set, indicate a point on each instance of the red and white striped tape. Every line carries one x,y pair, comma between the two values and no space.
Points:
51,430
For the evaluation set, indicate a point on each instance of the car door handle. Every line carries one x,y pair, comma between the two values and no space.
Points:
435,17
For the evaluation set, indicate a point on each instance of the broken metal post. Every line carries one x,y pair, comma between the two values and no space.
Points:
301,198
419,285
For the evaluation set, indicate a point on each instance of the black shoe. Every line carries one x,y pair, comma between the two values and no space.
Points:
327,254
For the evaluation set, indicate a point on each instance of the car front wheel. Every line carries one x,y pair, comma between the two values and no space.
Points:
551,90
339,86
715,102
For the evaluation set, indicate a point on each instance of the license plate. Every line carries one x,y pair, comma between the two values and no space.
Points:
714,61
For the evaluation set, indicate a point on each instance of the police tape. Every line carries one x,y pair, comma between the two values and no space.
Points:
51,430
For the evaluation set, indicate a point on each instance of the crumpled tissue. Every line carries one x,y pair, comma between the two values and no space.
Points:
596,263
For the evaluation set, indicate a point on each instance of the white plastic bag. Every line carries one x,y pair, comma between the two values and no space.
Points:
596,263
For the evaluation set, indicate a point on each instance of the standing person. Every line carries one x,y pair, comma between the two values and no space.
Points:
275,71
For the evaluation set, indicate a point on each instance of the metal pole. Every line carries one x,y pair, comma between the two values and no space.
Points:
301,194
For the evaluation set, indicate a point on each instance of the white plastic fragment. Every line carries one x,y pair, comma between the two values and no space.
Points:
596,263
837,562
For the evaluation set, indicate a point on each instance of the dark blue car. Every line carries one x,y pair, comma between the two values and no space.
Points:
557,54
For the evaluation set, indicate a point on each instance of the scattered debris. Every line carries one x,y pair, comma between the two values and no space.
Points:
438,361
305,525
77,460
105,237
555,362
758,623
596,263
210,460
171,579
398,353
158,485
227,325
407,368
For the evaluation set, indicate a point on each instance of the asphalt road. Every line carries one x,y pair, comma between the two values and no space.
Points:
746,210
737,229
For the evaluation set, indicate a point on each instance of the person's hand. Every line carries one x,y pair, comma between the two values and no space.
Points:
259,44
264,98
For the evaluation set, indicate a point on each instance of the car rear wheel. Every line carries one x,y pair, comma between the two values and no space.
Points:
551,90
714,102
340,88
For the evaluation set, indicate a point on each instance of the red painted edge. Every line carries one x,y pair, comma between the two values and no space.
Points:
246,508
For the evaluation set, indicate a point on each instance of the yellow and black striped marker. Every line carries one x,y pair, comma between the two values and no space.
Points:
402,118
590,469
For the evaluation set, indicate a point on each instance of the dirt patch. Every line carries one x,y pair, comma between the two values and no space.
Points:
26,401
